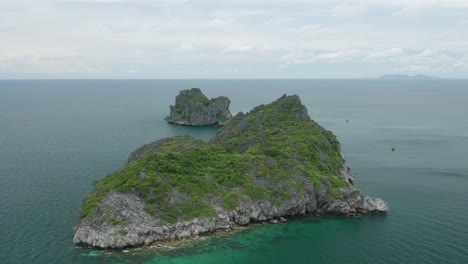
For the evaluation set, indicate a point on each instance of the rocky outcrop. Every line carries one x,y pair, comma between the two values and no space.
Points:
270,163
193,108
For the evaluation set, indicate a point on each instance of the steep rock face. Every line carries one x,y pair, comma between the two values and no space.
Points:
272,162
193,108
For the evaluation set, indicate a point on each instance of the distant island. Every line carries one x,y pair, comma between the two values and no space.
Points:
193,108
407,77
270,163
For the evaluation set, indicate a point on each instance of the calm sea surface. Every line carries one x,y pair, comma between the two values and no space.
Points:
56,137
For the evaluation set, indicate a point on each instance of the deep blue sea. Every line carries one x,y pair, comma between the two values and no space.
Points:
57,136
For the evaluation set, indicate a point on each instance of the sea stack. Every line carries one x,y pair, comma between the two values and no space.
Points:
263,166
193,108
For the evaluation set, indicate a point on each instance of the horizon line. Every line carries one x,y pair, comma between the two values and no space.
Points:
129,79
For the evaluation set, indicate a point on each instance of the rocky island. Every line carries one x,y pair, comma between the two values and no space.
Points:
272,162
193,108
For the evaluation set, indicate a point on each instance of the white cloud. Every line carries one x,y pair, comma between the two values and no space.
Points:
463,22
186,47
105,36
348,10
384,55
238,47
317,57
5,25
339,56
462,64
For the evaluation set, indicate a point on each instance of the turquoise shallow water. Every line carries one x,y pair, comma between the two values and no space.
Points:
56,137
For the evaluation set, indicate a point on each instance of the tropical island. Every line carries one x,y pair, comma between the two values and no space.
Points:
272,162
193,108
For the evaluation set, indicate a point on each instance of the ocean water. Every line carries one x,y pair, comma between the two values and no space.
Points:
56,137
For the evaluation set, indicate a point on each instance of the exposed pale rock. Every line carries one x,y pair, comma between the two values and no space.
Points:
374,205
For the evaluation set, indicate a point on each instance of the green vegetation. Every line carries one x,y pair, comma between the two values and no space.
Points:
195,95
276,141
257,192
231,200
334,193
338,182
299,187
121,233
204,100
221,118
116,221
103,219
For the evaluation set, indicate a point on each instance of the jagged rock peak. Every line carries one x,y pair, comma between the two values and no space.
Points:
287,104
193,108
280,114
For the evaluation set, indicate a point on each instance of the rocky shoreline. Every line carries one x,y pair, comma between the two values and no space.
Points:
144,229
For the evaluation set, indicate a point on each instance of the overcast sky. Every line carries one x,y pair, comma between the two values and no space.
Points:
232,39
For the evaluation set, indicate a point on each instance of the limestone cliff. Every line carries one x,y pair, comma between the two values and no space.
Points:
193,108
271,162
